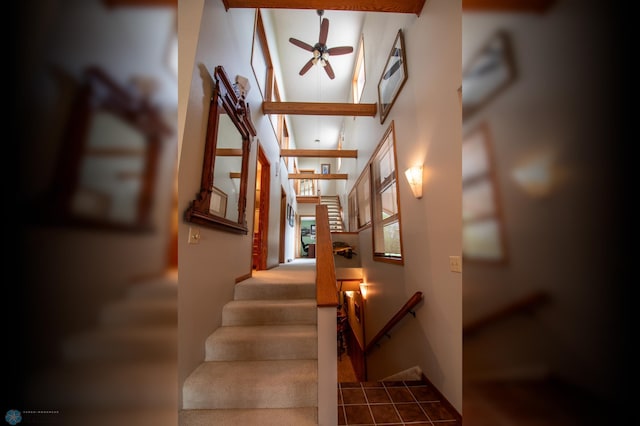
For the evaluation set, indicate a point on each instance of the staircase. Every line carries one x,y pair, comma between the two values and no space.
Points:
124,370
260,366
336,224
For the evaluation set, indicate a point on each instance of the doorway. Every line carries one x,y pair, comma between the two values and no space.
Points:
283,224
261,213
307,247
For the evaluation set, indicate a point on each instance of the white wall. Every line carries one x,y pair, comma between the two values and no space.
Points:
559,107
427,119
208,270
68,275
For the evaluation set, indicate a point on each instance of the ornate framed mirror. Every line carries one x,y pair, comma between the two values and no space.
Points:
222,198
106,171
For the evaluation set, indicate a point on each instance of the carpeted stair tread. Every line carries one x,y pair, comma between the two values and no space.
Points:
258,290
263,342
163,287
154,416
122,343
136,385
270,312
130,312
252,384
302,416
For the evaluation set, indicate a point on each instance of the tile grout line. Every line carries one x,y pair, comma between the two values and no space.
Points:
392,402
344,410
373,419
418,402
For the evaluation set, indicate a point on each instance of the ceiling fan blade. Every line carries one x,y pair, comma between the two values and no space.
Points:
324,31
342,50
306,66
329,70
301,44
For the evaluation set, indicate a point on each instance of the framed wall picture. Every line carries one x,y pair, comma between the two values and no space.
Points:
393,77
488,73
325,169
290,214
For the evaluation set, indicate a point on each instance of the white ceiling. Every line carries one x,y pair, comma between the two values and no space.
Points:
315,85
126,42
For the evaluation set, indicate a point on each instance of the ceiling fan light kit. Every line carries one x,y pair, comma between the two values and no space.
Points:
320,50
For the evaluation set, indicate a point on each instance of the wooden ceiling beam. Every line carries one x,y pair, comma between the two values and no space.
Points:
139,3
319,108
319,153
395,6
318,176
535,6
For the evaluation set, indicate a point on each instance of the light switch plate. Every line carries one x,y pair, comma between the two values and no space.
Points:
194,235
455,263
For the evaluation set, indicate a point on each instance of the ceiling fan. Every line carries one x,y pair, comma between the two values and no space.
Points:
320,50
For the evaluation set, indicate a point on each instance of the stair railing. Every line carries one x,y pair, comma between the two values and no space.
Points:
525,305
407,308
327,300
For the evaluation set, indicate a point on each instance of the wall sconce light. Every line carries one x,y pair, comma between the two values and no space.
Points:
364,290
414,177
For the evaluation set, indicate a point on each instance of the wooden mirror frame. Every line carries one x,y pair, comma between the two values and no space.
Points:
97,91
224,96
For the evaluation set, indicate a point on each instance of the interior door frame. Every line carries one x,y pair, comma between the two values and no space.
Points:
283,225
263,214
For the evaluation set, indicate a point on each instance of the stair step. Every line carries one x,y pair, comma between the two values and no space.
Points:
163,287
257,290
252,384
262,343
135,385
303,416
109,416
140,312
269,312
120,343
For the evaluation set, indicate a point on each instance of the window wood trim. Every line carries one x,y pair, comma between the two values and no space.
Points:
490,177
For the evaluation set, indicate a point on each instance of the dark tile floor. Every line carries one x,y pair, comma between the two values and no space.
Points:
392,403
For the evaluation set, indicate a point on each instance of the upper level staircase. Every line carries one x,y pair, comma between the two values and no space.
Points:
336,224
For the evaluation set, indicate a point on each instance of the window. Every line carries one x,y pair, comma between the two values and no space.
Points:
363,191
340,142
357,83
353,211
482,233
387,243
307,187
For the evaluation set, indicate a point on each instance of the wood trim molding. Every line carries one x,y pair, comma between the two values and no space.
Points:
138,3
228,152
318,176
536,6
307,199
320,153
326,284
394,6
319,108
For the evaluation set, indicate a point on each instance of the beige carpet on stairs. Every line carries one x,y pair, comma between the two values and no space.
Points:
260,366
124,371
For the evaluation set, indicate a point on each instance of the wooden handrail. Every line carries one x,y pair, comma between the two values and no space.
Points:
406,308
326,284
525,304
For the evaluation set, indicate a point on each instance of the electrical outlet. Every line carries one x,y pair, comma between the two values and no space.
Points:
194,235
455,263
